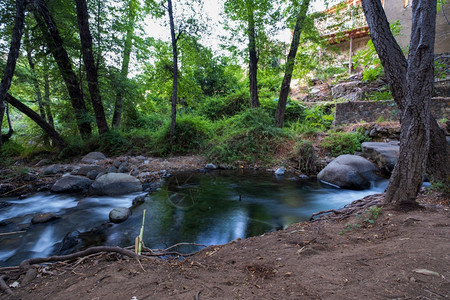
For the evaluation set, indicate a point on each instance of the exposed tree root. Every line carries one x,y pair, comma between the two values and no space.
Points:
3,286
350,209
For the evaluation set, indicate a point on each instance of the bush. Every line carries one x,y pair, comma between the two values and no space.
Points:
305,157
344,143
249,136
216,108
316,118
12,149
191,134
293,111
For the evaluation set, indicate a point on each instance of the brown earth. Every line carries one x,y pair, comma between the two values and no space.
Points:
403,255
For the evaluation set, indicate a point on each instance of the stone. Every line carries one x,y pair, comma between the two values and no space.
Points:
119,214
51,170
140,157
115,184
303,177
343,89
112,169
71,184
84,170
139,200
210,166
93,174
385,155
123,168
93,157
280,171
43,162
349,172
135,172
44,218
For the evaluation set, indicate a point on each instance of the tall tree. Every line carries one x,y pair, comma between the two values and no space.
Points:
89,65
19,22
254,18
55,44
174,40
131,15
290,62
411,84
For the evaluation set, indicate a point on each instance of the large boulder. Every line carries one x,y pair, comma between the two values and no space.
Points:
44,218
349,172
385,155
119,214
93,157
84,170
71,184
115,184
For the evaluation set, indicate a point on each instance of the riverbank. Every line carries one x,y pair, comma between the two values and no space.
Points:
399,255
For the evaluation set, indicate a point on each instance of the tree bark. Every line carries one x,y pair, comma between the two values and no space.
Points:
19,22
118,108
285,85
89,65
253,60
411,83
175,73
48,109
49,130
55,44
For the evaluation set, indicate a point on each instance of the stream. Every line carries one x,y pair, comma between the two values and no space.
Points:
203,208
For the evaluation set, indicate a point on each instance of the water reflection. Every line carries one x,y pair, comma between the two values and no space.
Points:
211,208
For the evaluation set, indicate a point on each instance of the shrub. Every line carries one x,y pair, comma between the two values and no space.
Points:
191,134
249,136
11,149
305,156
215,108
344,142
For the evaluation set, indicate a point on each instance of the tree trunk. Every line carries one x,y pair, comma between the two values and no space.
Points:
411,83
253,61
13,54
284,92
37,89
55,44
175,73
49,130
47,101
118,108
89,65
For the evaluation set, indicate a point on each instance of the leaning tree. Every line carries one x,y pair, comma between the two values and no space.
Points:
411,82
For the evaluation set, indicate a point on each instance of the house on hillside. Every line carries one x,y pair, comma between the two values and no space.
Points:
344,26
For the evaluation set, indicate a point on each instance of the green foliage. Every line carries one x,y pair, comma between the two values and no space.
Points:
344,142
191,135
293,111
379,96
440,187
314,119
305,157
216,108
12,149
249,137
365,219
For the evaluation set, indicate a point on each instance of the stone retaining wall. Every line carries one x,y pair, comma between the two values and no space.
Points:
369,111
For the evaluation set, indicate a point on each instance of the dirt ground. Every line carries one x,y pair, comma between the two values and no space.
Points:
402,255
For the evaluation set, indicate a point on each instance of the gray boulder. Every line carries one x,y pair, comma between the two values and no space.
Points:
115,184
210,166
119,214
280,171
51,170
71,184
385,155
349,172
93,157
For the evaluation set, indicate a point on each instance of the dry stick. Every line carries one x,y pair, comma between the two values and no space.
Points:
26,263
184,244
13,232
3,285
19,188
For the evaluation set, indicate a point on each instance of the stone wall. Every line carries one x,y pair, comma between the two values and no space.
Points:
370,111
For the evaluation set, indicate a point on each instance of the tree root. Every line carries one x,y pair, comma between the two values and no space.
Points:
350,209
3,286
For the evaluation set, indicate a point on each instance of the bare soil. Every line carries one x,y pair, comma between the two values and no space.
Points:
403,255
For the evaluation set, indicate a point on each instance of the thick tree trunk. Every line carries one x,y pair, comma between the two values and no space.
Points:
284,92
412,93
175,73
118,108
89,65
49,130
13,54
407,176
253,61
55,44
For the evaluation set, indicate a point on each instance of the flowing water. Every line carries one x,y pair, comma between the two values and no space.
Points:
204,208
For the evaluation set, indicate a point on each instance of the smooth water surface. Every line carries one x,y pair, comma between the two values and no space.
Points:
204,208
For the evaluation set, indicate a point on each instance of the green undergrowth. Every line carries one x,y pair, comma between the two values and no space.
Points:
338,143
